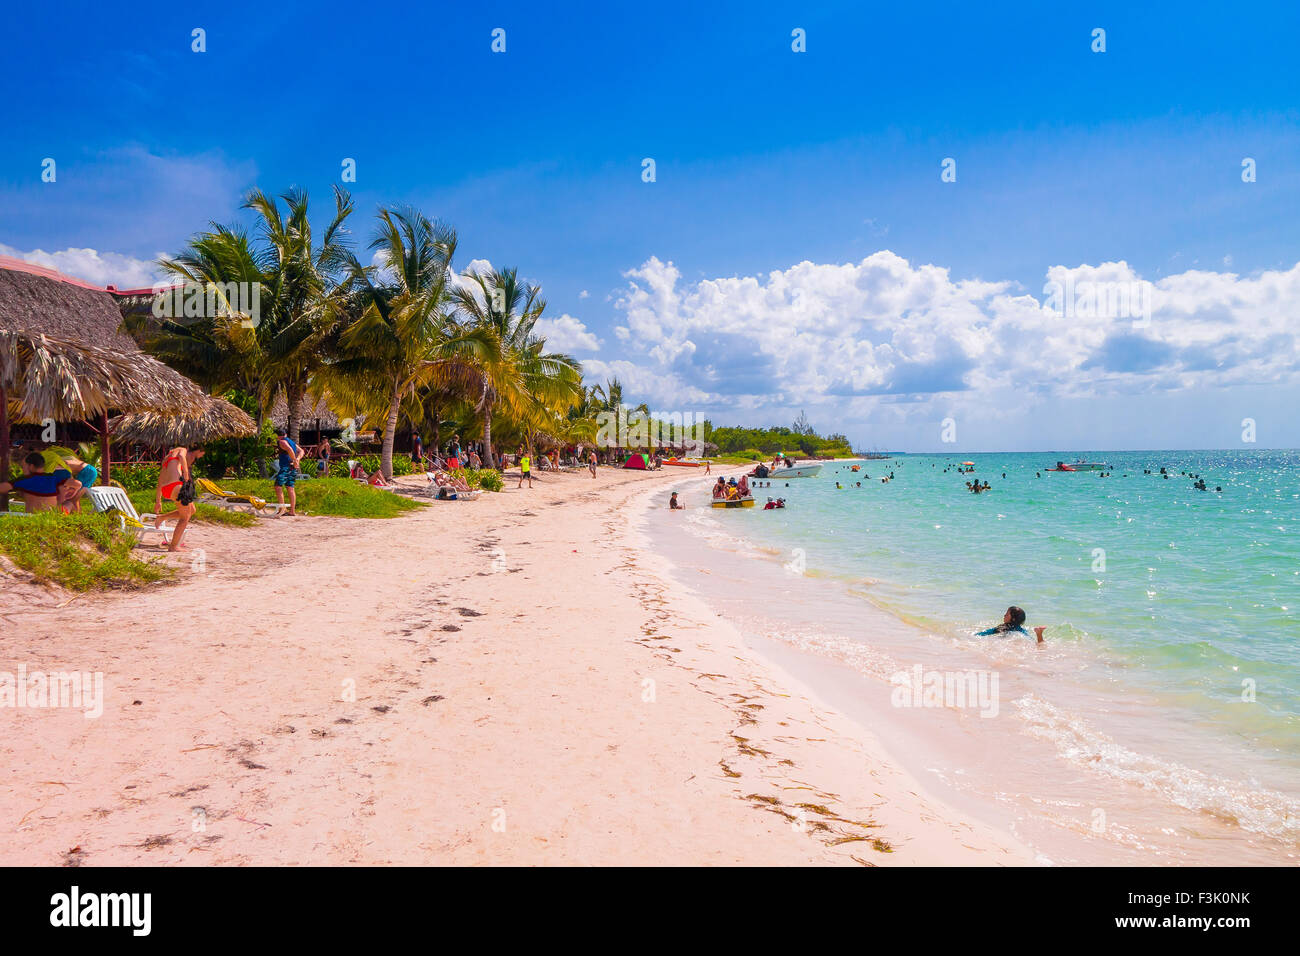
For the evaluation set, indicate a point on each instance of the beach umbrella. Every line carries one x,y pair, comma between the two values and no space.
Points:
50,377
216,419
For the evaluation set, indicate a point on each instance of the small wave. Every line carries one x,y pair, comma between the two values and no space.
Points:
1251,807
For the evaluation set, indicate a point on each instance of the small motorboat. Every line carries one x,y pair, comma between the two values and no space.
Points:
1081,465
745,502
781,472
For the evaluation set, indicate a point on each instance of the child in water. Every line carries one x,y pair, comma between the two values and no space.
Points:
1012,622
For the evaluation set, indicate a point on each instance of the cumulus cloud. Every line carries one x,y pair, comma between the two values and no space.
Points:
886,331
566,334
93,266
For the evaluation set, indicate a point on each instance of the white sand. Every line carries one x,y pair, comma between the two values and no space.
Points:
526,692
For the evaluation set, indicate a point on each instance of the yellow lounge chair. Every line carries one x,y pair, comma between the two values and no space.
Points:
214,495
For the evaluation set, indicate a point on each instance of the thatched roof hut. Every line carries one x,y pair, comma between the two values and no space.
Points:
35,299
308,414
64,356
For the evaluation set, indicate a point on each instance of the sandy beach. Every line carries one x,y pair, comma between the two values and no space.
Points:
503,681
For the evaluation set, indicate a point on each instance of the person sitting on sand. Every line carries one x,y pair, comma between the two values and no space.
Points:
176,483
673,503
39,489
1013,622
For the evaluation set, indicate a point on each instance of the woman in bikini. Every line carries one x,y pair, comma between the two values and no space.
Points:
176,483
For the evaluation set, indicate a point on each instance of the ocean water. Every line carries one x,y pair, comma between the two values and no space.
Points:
1166,700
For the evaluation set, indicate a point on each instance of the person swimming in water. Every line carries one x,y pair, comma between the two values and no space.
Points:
1013,622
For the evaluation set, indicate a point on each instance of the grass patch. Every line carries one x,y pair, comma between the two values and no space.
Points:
210,514
81,552
337,497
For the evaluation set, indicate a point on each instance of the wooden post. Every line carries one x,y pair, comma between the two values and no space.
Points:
4,445
106,448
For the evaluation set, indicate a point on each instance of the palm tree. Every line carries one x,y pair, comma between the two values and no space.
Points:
395,343
516,373
302,283
297,283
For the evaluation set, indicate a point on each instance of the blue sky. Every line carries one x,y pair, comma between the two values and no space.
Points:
765,158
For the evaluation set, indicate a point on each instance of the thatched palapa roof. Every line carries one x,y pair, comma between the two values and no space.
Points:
35,299
308,414
64,355
68,380
217,419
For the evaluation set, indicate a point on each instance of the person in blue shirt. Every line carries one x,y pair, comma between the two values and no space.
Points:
289,458
40,490
1013,622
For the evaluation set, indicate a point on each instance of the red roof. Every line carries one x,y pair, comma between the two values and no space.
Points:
18,265
21,265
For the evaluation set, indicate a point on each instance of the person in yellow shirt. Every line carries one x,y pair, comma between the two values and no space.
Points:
525,469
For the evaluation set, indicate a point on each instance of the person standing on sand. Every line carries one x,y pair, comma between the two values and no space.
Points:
591,463
176,483
290,456
524,469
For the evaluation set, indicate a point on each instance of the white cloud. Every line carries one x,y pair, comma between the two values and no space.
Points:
566,334
882,330
90,265
583,294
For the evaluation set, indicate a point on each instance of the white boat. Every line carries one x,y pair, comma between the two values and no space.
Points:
780,473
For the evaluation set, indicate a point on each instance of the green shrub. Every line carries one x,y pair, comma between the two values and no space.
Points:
487,479
136,477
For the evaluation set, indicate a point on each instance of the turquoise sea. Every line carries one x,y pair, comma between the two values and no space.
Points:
1172,662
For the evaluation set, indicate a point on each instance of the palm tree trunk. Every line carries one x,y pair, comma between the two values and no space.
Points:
293,395
261,420
489,459
390,430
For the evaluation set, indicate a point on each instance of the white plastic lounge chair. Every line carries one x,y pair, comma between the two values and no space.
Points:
107,499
